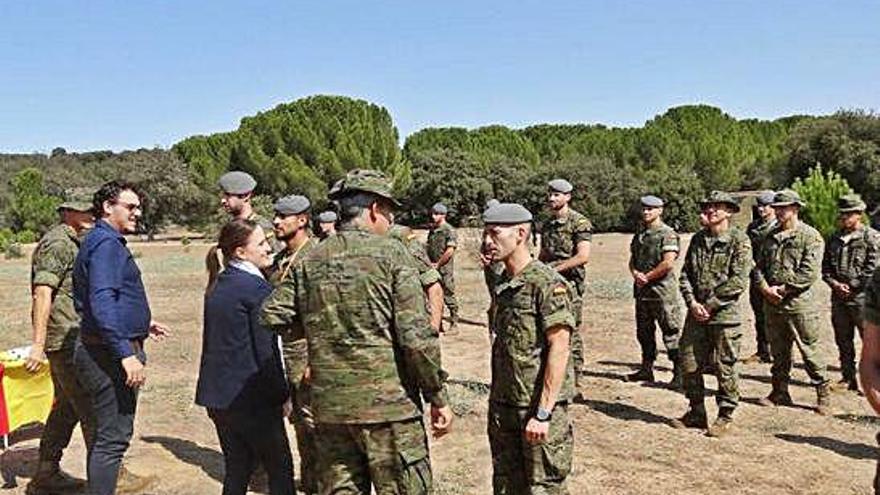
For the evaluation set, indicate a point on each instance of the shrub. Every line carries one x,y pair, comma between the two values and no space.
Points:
821,191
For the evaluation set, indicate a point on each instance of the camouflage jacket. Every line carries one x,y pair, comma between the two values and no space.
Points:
293,343
646,250
559,240
439,239
52,266
851,258
716,273
371,348
757,232
526,306
792,258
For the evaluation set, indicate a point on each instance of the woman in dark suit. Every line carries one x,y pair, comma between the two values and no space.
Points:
241,378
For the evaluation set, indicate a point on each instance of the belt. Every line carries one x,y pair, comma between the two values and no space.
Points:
92,339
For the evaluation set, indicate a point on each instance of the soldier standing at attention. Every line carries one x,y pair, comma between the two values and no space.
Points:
291,221
237,192
326,224
788,267
653,251
530,433
441,250
714,276
56,326
565,245
373,356
763,223
851,256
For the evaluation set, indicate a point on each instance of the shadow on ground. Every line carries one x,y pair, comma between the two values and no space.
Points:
858,451
624,412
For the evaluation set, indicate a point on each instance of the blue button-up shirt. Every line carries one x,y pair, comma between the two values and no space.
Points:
108,292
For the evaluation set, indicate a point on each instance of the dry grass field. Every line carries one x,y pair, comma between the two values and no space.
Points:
624,444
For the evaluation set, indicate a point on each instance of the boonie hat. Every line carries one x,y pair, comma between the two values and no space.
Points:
507,214
787,197
363,180
720,197
851,203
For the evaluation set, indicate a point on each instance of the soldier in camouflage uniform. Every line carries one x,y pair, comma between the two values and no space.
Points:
56,326
764,222
851,256
237,192
441,250
653,251
788,267
373,356
327,224
429,277
869,364
529,429
714,276
565,245
291,224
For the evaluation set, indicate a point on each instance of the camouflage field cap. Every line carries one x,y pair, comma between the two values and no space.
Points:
82,205
651,201
440,209
560,185
292,205
364,180
766,198
720,197
507,214
237,182
851,203
327,217
787,197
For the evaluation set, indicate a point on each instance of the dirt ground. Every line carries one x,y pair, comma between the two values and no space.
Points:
623,443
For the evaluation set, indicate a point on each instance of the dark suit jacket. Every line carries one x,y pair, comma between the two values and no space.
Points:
241,363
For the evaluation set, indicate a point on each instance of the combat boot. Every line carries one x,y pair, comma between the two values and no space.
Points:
695,417
722,424
778,397
644,374
676,383
823,400
130,483
50,479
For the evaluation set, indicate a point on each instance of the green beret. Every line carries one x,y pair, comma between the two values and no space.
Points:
327,217
439,208
507,214
237,182
292,205
560,185
651,201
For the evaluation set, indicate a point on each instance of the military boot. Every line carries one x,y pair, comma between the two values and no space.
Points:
778,397
722,424
50,479
676,383
695,417
130,483
823,400
644,374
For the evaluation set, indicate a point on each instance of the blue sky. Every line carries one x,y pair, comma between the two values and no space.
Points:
127,74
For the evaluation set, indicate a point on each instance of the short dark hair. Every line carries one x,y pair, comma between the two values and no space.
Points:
110,191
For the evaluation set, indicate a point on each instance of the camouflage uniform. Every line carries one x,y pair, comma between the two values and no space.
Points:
428,275
850,258
757,232
373,357
792,258
527,305
295,352
657,302
715,274
439,239
559,240
52,266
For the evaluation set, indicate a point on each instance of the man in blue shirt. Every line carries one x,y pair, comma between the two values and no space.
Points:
109,357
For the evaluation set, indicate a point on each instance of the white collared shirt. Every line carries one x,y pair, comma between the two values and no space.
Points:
247,266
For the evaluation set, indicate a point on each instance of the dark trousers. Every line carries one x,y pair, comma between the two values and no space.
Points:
757,302
255,437
114,404
846,319
72,406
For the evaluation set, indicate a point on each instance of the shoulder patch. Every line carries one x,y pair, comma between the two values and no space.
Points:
560,289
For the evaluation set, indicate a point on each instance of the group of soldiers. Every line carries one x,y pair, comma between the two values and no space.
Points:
358,306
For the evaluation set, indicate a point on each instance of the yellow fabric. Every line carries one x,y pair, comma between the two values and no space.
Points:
28,395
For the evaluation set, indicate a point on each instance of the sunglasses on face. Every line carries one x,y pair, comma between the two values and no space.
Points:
132,207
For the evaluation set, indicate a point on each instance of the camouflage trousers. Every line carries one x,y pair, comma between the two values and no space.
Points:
520,468
447,281
756,300
801,329
577,340
702,343
653,313
390,457
846,319
72,405
295,357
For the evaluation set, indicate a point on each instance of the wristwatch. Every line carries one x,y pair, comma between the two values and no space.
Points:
543,415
